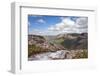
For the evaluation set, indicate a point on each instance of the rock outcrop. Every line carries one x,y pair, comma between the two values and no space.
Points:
61,54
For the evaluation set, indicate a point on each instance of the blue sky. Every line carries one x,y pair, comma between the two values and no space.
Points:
42,22
53,25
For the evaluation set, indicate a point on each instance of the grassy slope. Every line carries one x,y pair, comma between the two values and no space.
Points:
33,49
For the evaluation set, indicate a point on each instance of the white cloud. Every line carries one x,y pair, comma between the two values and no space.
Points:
69,26
68,22
82,24
62,18
69,30
35,32
65,23
41,21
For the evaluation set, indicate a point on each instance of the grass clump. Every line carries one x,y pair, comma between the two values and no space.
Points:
83,54
33,49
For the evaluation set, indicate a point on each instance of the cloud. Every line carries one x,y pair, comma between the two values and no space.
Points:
67,25
41,21
62,18
82,24
57,27
35,32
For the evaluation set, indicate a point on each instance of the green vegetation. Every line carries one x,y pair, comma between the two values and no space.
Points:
83,54
59,41
33,49
56,41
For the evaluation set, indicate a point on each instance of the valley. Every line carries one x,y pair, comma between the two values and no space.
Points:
61,46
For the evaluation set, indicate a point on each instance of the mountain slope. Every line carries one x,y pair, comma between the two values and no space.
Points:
38,44
74,41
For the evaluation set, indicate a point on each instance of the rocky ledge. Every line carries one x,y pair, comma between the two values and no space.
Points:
61,54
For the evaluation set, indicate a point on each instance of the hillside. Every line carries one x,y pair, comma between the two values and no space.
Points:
43,44
38,44
74,41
